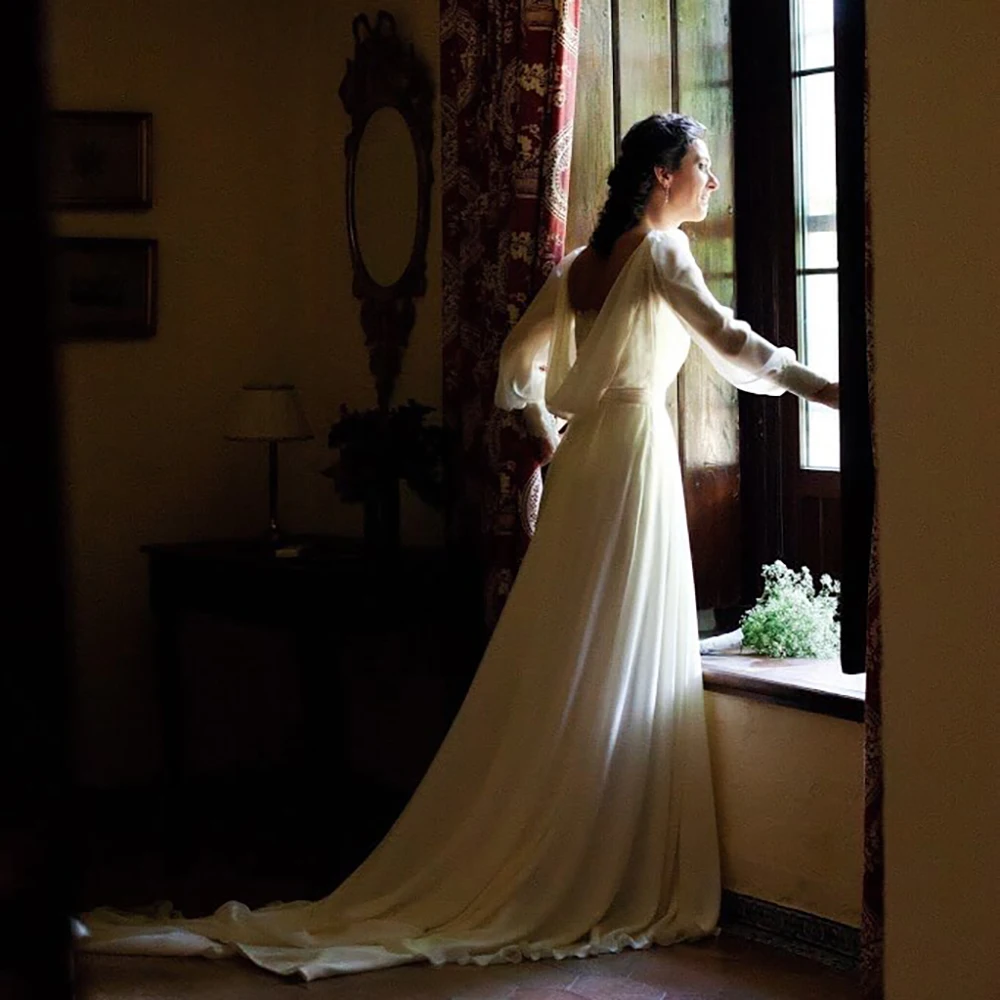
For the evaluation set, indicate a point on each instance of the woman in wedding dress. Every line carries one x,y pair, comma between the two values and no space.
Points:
569,811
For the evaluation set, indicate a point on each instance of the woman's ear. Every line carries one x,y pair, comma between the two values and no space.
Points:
662,176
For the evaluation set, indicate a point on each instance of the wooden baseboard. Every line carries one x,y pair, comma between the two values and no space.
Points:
834,944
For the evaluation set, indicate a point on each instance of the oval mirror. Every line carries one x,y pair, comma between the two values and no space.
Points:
386,196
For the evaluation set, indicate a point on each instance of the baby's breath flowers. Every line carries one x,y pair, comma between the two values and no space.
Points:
792,618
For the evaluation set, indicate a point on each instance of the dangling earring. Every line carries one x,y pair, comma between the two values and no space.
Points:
666,195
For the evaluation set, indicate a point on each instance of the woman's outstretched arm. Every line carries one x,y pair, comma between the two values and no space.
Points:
744,358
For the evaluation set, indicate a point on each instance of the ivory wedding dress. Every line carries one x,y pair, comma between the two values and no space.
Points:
569,811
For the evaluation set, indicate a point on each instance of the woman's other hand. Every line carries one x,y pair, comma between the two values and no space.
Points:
544,427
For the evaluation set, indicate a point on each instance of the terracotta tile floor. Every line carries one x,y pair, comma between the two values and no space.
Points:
724,969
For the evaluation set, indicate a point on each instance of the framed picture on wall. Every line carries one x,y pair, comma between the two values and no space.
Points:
100,160
104,289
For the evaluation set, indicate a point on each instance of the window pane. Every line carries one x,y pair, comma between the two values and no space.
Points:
813,26
817,164
820,329
822,437
820,326
816,203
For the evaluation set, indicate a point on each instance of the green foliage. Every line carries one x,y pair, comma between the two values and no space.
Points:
376,448
792,618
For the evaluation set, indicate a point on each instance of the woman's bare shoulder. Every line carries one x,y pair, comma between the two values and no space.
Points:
591,276
580,280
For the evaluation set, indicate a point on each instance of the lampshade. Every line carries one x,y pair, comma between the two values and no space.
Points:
264,412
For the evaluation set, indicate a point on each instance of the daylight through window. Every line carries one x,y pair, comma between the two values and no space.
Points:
816,218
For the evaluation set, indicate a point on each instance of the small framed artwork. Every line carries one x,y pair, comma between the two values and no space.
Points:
103,289
100,160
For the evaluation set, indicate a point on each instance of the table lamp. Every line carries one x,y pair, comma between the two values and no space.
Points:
272,413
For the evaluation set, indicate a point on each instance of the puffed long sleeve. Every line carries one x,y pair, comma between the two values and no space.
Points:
525,352
741,356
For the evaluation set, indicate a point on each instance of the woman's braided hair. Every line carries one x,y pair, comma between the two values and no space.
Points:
659,140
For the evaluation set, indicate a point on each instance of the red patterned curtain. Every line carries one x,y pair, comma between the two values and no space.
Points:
508,83
873,893
873,906
873,910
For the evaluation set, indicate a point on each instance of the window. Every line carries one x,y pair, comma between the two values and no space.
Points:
779,83
798,80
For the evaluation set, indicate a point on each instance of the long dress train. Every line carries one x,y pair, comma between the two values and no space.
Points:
569,811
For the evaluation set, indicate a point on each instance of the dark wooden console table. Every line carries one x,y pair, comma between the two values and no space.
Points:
334,589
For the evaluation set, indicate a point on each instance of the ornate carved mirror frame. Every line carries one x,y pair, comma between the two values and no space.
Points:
386,73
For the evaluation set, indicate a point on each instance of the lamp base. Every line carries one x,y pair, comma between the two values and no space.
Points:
381,517
280,544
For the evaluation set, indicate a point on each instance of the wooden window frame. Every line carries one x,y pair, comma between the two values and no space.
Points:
784,506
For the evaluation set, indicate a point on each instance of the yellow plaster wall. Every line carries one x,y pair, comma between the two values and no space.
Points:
789,798
935,77
254,283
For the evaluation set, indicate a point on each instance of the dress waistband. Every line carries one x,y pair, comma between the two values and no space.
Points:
627,394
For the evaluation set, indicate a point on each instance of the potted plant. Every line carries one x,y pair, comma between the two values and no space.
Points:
378,448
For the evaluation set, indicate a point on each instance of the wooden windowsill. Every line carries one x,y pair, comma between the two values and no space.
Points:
809,685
